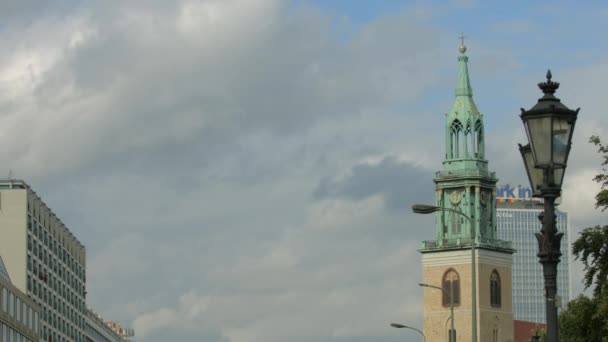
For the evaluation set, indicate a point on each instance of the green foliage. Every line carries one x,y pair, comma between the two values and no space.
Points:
591,248
586,319
582,321
601,199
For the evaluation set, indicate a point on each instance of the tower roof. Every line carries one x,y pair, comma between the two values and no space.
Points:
464,108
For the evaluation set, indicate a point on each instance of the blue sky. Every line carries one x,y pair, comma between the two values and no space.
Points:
238,167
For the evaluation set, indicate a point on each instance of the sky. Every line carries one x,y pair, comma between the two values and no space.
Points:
242,170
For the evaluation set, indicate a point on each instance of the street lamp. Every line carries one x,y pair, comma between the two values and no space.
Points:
401,326
452,331
429,209
549,126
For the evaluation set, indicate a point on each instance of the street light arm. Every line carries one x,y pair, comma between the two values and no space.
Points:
434,286
429,209
397,325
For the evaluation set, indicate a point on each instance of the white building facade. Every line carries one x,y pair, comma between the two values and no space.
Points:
46,261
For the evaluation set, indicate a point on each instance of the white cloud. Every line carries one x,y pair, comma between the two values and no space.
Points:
183,143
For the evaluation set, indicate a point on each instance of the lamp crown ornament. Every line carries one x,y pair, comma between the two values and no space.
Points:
549,87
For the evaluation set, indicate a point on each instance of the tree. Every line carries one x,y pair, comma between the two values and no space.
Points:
586,319
601,199
592,245
582,321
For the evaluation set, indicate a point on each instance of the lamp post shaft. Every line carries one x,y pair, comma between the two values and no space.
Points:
549,253
452,339
473,292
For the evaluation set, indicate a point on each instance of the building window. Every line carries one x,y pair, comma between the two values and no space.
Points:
11,304
451,287
4,299
495,289
495,335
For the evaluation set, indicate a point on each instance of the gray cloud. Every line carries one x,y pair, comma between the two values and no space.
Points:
400,184
181,142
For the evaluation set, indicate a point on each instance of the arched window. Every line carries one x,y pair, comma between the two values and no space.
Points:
469,141
456,132
495,289
479,139
451,286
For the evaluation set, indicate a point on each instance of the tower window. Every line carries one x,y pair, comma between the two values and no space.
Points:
495,289
451,287
479,139
456,220
456,139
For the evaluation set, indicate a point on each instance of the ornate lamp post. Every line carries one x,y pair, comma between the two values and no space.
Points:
549,126
401,326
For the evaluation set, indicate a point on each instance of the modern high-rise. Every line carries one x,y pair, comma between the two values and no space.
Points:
467,267
46,261
517,221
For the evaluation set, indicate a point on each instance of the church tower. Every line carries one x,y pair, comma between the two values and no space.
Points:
466,266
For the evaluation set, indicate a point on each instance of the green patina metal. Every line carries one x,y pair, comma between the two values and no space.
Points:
465,184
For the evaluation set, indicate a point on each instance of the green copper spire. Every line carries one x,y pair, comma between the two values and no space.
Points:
465,185
464,84
464,125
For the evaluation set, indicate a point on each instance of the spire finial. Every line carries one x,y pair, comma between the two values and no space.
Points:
462,48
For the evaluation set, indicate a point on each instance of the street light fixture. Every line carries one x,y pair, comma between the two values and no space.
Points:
452,331
401,326
429,209
549,126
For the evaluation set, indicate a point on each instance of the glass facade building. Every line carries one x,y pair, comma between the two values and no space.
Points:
517,221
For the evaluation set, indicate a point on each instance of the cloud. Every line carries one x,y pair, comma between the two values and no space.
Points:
240,172
393,179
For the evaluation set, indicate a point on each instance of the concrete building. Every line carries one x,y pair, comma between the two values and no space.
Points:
517,221
467,260
18,314
45,259
99,330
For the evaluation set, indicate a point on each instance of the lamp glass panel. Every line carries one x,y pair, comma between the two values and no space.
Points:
539,136
561,134
558,176
535,175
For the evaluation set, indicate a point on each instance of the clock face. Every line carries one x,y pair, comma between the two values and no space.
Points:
484,197
455,197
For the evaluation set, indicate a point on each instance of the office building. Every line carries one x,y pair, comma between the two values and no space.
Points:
99,330
19,314
46,261
517,221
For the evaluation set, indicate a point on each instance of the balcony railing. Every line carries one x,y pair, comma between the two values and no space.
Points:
464,242
467,172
